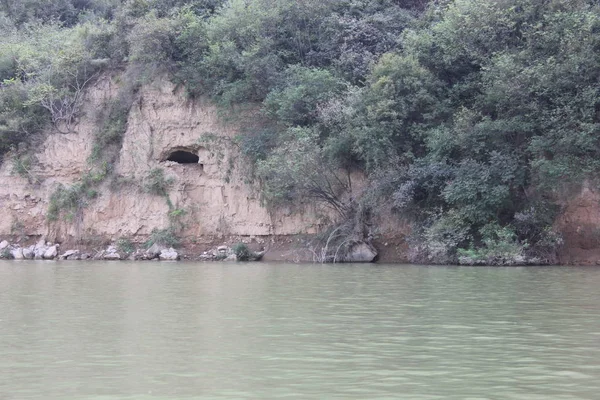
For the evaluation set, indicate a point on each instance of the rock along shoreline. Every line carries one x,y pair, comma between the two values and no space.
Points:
43,250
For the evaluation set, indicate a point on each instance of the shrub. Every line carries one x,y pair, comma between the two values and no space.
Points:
163,237
125,245
242,252
439,240
108,138
156,182
5,254
500,246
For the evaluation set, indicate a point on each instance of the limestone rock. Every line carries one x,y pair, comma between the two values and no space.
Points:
29,252
17,253
111,256
39,251
359,252
207,256
152,252
231,257
111,253
3,245
50,253
69,255
257,255
168,255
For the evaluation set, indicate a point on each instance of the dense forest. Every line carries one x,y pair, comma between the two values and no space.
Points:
473,118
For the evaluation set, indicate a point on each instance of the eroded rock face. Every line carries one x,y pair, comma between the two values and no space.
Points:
162,124
579,224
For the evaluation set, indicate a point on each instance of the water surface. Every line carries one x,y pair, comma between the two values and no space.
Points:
129,330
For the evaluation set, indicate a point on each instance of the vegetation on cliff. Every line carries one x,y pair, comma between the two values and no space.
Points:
471,117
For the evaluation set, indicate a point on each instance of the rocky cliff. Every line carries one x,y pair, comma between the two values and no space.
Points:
210,190
188,140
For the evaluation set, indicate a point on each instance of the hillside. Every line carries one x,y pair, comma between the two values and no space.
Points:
441,132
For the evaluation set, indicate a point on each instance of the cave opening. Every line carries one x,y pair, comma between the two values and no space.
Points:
183,157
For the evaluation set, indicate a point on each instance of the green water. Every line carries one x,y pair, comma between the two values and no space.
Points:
148,330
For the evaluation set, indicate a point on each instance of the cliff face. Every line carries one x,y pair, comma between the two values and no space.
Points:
213,191
195,147
579,224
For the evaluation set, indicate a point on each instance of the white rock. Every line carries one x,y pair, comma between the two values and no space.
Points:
168,255
3,244
231,257
39,252
153,251
17,253
68,253
29,252
112,256
50,253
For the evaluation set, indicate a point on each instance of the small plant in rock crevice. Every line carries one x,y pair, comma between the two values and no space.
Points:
163,237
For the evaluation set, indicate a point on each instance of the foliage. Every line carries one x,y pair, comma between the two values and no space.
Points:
112,123
125,245
5,254
163,237
295,101
499,246
69,201
157,183
301,169
242,252
22,165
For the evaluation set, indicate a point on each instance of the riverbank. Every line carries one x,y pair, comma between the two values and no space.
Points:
208,248
285,248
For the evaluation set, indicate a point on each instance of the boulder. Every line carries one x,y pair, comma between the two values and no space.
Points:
17,253
69,255
39,251
152,252
231,257
29,252
111,253
3,245
359,252
223,250
50,253
257,255
207,256
168,255
111,256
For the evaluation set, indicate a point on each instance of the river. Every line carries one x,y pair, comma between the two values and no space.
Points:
150,330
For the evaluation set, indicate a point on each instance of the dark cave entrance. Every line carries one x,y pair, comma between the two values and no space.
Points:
183,157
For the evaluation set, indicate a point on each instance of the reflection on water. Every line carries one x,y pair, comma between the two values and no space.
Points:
272,331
